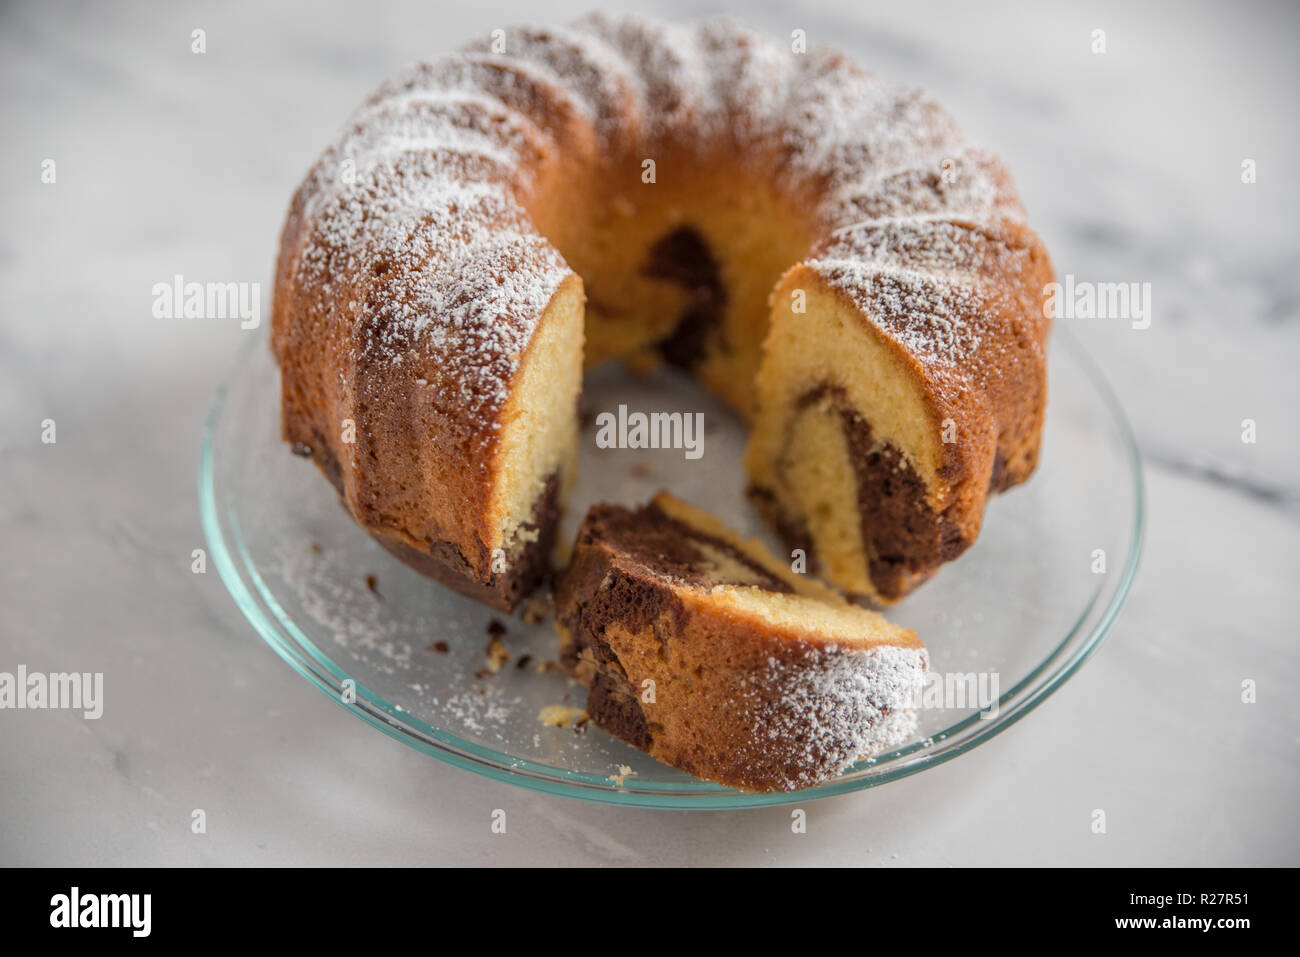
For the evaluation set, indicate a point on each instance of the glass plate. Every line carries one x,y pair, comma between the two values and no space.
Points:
1025,604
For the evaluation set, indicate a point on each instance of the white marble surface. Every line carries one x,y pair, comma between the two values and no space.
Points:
169,162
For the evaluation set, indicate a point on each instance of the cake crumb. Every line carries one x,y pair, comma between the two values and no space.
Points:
534,611
545,667
523,662
372,582
497,656
441,647
559,715
624,772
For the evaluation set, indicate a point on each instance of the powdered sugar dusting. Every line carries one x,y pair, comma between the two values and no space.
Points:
945,290
671,79
836,706
966,183
414,218
602,81
457,275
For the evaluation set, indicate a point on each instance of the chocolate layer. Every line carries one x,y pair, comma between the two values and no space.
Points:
684,258
444,561
904,537
663,545
613,705
624,569
589,597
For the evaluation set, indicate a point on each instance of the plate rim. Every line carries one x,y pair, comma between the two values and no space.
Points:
260,609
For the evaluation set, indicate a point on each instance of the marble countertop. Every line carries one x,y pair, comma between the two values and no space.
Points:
173,162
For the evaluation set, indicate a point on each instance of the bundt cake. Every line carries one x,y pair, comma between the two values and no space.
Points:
431,327
707,652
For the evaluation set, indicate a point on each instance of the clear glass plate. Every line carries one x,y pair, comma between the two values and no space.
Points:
1024,603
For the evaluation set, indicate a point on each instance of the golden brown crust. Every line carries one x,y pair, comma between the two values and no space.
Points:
415,276
954,312
994,394
715,678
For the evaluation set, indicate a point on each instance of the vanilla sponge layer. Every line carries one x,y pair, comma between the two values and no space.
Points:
539,433
831,344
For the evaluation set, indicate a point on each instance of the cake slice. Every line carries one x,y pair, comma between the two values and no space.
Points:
706,651
903,383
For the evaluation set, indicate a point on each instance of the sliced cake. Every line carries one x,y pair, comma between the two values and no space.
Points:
903,382
622,189
706,651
